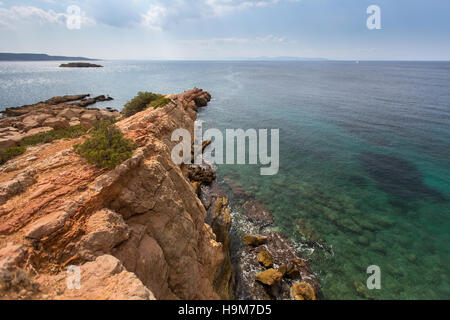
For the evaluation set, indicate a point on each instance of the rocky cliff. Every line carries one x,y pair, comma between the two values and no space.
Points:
148,229
138,231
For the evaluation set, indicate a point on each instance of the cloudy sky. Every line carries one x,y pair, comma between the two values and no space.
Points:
227,29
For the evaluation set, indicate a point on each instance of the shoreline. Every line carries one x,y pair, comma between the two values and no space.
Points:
162,227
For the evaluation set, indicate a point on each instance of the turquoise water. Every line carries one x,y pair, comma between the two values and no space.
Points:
364,148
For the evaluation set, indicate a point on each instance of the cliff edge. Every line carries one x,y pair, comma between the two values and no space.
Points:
135,232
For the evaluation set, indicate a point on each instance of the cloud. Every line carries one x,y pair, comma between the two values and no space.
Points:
19,15
152,14
162,14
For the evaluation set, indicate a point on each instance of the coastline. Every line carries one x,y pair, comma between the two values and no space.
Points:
162,229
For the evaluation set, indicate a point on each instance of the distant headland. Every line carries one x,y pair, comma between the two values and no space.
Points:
38,57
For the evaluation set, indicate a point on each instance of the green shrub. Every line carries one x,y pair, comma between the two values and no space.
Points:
49,136
43,137
9,153
106,147
142,101
160,103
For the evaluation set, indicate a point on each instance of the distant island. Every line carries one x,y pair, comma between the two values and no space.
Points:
38,57
287,59
80,65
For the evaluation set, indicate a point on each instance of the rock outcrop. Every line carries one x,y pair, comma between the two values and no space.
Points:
138,231
55,113
148,229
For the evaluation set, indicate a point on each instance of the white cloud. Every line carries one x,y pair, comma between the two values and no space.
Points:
162,14
19,15
225,6
155,17
153,14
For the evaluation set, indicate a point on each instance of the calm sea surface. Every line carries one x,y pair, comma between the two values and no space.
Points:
364,149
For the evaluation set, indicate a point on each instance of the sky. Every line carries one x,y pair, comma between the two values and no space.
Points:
227,29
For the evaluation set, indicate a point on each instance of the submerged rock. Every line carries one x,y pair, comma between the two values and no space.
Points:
397,176
258,213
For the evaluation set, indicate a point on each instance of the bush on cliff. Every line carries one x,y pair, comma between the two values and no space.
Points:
40,138
106,147
143,101
9,153
49,136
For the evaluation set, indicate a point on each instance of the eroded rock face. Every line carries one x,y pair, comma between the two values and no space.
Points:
141,224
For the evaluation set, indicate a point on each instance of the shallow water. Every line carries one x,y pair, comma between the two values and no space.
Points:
365,153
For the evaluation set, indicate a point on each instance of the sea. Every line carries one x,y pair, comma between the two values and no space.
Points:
364,176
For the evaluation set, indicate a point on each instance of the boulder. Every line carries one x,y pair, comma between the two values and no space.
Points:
302,291
254,240
69,113
292,272
56,123
7,142
105,229
88,119
204,174
104,279
34,121
265,258
74,123
47,225
269,277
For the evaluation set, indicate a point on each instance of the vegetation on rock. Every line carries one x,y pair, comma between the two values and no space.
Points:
143,101
107,146
40,138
